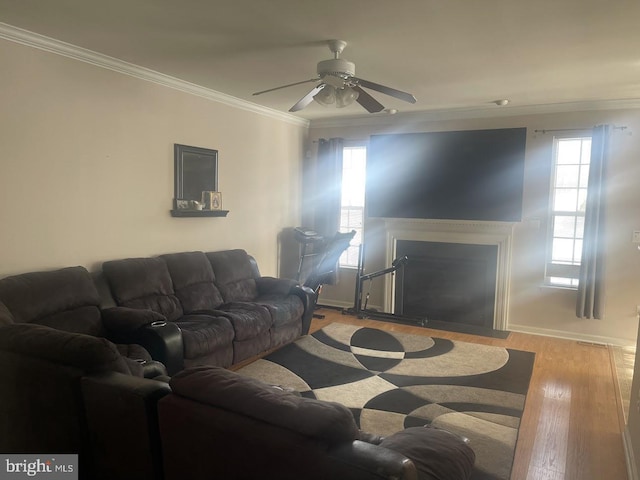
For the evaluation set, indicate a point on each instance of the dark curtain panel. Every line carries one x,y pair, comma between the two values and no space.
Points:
590,303
327,189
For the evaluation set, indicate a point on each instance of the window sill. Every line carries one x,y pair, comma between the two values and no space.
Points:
347,267
557,287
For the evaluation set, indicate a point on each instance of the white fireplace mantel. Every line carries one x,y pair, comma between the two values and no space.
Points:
454,231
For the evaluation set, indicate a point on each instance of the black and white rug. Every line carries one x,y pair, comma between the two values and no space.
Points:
393,380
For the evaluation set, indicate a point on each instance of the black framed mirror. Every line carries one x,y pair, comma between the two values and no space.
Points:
195,171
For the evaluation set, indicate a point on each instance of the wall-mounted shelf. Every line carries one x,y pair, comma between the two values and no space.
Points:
199,213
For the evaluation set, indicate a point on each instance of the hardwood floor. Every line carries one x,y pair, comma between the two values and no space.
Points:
572,426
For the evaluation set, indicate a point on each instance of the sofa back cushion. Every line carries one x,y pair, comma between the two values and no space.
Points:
85,352
234,275
328,422
64,299
143,283
193,281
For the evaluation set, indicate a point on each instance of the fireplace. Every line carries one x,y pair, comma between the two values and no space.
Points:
449,282
482,249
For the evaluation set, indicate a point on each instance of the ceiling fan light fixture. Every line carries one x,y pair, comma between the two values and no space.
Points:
336,84
345,96
326,96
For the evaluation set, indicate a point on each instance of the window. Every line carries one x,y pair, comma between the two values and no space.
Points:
354,159
568,201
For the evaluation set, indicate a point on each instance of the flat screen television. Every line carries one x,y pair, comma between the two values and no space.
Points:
460,175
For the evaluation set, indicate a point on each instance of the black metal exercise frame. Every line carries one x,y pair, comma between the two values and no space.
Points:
361,312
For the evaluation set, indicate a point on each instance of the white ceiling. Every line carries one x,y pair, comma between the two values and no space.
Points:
451,54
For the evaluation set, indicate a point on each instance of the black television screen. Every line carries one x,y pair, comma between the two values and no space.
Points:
462,175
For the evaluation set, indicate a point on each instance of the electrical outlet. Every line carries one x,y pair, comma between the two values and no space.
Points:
638,310
636,236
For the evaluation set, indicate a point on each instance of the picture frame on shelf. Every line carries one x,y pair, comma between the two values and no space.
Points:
212,200
182,204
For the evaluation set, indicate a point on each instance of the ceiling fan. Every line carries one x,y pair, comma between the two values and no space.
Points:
338,85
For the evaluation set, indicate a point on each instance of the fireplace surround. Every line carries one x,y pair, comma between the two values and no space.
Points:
470,233
449,282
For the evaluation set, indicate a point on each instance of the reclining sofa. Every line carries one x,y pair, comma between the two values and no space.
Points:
65,387
65,392
207,308
219,424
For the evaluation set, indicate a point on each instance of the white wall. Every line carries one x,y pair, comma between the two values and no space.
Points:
533,307
86,167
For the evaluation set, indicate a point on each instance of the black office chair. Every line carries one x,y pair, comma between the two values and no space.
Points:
327,262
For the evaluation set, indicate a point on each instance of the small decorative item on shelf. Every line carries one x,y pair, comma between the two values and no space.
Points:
182,204
212,200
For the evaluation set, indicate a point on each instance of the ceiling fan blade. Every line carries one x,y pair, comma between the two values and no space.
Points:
407,97
307,99
286,86
370,104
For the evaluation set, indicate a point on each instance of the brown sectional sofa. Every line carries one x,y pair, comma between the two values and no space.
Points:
67,388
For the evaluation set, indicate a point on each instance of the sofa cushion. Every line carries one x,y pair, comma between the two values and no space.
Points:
203,334
249,320
284,310
193,281
65,299
91,354
437,454
234,275
328,422
143,283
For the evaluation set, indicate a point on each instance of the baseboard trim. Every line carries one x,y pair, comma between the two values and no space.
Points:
345,305
547,332
632,470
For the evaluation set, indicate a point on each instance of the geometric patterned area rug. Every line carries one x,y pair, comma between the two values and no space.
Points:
393,380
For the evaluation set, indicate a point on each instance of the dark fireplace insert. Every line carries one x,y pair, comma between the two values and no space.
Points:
448,282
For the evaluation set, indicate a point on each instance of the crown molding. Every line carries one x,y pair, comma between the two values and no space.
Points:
58,47
494,111
41,42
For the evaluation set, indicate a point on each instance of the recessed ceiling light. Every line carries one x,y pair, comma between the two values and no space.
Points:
502,102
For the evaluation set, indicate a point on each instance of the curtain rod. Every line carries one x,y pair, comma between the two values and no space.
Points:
358,140
621,127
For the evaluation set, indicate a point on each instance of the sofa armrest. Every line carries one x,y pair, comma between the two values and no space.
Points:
374,461
121,415
284,286
308,297
162,339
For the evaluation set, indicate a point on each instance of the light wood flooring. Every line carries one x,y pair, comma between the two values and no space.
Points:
573,421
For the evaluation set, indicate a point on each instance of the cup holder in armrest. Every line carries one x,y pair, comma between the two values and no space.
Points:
158,323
